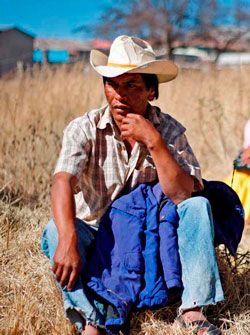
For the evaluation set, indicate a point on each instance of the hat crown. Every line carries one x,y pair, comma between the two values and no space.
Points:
126,50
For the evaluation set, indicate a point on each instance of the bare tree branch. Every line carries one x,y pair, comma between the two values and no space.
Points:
166,22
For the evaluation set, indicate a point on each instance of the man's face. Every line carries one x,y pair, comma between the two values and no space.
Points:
127,94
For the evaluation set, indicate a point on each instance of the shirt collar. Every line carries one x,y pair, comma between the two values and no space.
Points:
153,116
105,119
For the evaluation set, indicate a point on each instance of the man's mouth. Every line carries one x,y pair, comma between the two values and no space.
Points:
122,107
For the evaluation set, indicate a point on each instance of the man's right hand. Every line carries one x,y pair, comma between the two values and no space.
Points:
67,263
245,157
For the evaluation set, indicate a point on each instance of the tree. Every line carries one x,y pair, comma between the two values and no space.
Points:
222,25
170,23
162,22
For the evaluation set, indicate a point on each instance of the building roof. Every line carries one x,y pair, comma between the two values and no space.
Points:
24,31
70,44
62,44
101,44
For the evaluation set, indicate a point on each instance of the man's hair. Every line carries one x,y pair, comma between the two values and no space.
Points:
150,80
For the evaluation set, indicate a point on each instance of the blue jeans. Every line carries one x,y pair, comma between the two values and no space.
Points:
200,275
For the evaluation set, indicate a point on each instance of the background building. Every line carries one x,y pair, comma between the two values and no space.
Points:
16,46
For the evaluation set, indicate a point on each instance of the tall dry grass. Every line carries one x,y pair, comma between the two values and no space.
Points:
34,108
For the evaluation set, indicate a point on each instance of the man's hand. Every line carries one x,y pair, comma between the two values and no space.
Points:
67,263
245,157
175,182
139,129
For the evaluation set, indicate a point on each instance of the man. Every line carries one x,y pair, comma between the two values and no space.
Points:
111,150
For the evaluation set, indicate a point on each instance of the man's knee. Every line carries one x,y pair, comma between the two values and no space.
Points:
196,204
51,227
196,212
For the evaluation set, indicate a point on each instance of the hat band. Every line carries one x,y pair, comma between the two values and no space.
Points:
122,65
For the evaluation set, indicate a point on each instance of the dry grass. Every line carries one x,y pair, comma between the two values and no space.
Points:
34,108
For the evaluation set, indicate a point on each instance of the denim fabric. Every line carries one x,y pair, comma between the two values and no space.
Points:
200,275
79,305
161,257
169,250
117,276
128,270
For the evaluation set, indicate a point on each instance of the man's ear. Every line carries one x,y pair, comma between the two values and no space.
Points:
151,94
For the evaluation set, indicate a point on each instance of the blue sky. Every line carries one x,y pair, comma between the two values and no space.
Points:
51,18
57,18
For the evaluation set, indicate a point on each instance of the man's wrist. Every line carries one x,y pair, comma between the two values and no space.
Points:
67,234
154,142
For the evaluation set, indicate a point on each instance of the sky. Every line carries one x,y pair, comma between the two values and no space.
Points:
57,18
51,18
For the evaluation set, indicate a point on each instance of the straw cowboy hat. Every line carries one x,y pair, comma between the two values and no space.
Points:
132,55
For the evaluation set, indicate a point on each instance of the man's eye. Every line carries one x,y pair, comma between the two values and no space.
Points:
131,85
110,83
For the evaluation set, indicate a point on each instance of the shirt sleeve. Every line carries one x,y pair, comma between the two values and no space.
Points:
75,150
185,157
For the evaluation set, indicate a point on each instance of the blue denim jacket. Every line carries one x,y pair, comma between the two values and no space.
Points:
136,257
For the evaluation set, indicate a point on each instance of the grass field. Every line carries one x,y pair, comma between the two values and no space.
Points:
34,109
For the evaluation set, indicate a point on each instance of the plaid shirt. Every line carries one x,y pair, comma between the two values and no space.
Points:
94,152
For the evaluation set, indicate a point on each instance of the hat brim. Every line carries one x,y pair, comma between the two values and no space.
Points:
163,68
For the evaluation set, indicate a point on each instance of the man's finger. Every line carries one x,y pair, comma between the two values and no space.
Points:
72,279
58,273
132,116
65,275
125,121
125,134
124,127
54,268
